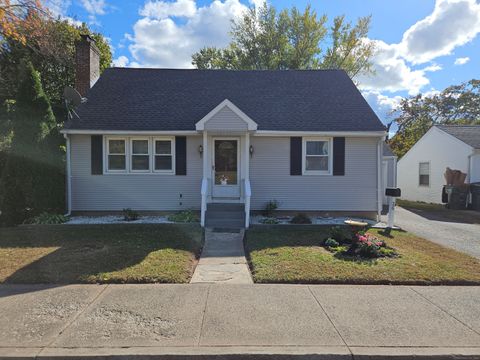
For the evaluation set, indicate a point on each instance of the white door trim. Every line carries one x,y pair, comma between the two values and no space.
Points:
223,192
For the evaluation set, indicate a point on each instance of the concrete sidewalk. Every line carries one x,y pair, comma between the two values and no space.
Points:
203,321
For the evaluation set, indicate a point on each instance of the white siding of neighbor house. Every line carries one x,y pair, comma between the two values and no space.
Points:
136,191
355,191
226,119
475,176
441,150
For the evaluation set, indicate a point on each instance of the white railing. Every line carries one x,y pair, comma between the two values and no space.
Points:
248,194
203,191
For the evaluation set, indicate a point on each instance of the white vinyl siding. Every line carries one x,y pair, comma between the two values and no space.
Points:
441,151
139,191
271,180
226,120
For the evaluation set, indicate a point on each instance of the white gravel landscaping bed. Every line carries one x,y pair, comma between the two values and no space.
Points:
316,220
116,219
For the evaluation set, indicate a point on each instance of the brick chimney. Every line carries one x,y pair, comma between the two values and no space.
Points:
87,64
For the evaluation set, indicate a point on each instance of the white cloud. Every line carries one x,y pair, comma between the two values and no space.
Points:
163,9
159,41
392,72
94,8
121,61
57,7
452,23
461,61
382,104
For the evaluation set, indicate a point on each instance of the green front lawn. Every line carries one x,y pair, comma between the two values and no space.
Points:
120,253
292,254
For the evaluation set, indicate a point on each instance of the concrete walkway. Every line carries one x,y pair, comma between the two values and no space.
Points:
204,321
223,259
459,236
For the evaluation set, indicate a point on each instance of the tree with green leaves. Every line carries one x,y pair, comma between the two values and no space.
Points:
28,180
414,116
265,39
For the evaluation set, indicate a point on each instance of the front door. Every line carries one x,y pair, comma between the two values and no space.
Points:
226,182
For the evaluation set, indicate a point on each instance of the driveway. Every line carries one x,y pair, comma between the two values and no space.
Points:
461,236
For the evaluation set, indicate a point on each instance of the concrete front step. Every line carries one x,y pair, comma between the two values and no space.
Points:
225,207
225,215
216,214
225,223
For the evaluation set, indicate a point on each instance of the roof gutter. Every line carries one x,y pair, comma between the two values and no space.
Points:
129,132
321,133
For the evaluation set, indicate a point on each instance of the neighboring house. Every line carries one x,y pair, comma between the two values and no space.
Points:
421,170
163,140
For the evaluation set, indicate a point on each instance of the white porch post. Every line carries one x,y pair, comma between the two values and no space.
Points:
204,189
247,156
248,190
205,154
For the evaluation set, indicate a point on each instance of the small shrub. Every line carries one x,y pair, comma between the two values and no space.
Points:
341,234
185,216
48,219
130,215
269,221
301,218
270,208
331,243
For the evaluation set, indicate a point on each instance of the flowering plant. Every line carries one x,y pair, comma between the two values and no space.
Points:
369,246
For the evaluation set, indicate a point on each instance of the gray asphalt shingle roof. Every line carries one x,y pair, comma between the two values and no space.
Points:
469,134
167,99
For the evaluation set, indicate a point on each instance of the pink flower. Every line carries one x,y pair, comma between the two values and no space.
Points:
369,243
379,243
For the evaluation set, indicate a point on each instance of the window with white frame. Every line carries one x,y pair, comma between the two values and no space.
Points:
140,155
316,156
117,153
163,154
424,174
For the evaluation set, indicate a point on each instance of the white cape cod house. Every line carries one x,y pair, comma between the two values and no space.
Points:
163,140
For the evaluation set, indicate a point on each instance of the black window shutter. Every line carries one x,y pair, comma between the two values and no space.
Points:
97,154
180,155
295,156
339,156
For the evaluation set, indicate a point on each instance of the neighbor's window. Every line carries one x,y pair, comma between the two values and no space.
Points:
424,174
140,155
116,155
317,156
163,152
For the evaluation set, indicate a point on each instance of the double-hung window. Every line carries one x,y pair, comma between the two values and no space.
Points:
145,155
163,155
117,153
317,156
140,155
424,174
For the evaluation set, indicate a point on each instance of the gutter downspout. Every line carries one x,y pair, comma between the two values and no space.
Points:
379,176
69,176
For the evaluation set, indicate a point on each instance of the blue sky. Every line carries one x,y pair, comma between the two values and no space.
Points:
422,45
